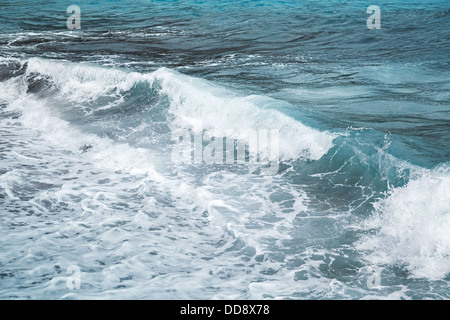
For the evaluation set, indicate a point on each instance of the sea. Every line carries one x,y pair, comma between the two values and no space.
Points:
264,149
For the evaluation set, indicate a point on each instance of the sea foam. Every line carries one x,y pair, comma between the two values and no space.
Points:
413,225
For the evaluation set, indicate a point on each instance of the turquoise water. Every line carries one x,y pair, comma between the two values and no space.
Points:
359,205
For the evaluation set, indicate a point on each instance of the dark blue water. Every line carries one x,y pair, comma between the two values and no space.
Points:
357,208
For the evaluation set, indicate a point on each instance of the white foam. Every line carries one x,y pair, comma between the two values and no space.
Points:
105,152
81,82
413,225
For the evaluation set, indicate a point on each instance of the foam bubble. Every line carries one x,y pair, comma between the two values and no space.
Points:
413,225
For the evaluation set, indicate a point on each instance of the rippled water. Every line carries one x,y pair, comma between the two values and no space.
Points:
358,209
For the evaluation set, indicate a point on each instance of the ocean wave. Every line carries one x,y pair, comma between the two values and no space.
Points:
193,103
